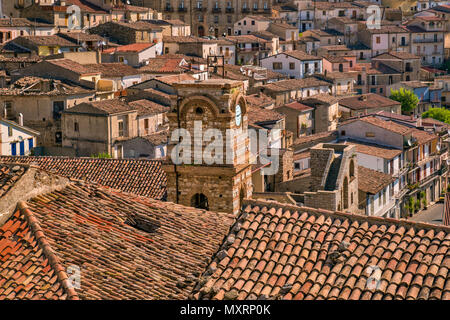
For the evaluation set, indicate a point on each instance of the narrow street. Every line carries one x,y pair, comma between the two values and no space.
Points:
432,215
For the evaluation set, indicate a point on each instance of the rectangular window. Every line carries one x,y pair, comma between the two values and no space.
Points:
76,127
378,39
10,131
120,126
8,107
292,65
277,66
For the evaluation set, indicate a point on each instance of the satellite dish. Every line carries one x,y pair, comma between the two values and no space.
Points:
409,142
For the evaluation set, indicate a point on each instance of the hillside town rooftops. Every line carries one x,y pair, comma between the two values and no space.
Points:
277,251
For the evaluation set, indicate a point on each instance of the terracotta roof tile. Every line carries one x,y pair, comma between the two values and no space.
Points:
126,246
331,256
142,177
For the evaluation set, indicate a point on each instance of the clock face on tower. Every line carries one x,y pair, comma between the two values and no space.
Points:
238,115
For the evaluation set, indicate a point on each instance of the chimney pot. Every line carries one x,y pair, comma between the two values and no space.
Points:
21,119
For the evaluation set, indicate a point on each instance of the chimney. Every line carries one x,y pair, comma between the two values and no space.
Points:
20,119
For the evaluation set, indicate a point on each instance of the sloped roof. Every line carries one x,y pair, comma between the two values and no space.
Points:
139,176
115,69
125,246
277,251
367,101
146,107
72,66
371,181
374,149
103,107
300,55
385,124
163,65
52,40
134,47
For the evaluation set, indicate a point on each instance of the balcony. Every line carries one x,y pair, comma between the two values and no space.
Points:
403,44
255,9
168,9
245,10
182,9
216,10
201,9
229,10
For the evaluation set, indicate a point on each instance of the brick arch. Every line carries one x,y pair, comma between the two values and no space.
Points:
198,100
242,102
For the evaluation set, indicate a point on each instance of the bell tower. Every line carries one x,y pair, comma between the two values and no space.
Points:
209,124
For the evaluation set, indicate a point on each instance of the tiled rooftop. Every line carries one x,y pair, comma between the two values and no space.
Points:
125,246
276,251
367,101
371,181
142,177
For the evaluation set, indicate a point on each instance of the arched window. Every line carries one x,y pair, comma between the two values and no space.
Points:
200,201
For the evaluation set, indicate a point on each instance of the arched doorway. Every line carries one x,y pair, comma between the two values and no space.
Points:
201,31
345,190
200,201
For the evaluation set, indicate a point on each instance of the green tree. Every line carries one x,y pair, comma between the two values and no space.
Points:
440,114
407,98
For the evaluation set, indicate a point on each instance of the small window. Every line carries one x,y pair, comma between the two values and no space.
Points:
199,111
343,133
378,39
277,66
120,126
370,134
10,131
76,127
58,137
292,65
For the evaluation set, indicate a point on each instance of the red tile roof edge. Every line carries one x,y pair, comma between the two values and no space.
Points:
47,250
351,216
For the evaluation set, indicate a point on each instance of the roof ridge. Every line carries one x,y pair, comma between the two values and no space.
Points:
53,259
77,158
350,216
